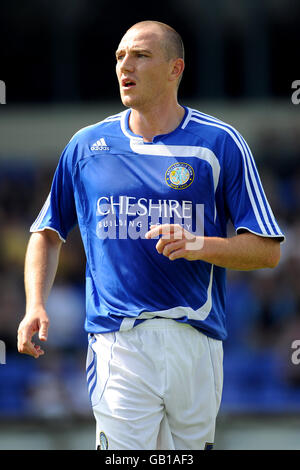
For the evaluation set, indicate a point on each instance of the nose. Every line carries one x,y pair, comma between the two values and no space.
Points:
126,64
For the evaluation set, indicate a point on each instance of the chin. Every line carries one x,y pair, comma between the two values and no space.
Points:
130,101
126,102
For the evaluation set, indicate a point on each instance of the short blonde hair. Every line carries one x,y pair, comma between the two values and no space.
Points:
173,44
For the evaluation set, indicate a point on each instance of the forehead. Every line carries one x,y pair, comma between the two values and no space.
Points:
145,38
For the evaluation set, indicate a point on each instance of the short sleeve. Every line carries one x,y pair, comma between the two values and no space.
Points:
59,212
246,201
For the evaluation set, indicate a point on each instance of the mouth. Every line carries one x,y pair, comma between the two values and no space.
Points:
127,83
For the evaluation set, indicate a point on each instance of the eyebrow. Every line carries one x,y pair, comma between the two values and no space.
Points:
135,50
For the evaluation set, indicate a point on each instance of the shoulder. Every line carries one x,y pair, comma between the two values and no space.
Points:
211,128
90,138
110,124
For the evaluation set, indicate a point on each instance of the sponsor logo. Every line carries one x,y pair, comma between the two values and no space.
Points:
100,145
123,217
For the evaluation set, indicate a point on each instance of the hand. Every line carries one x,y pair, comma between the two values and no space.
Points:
176,242
31,324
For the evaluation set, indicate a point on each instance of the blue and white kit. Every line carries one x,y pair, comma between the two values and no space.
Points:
156,327
114,185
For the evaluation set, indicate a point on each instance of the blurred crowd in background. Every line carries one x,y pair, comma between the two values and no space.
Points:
263,307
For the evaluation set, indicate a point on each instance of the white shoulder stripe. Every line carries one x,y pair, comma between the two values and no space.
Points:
116,117
196,113
262,189
112,119
248,165
258,190
214,119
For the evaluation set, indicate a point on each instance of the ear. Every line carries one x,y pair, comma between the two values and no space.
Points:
177,68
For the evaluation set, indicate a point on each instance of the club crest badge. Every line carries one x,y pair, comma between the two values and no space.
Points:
180,175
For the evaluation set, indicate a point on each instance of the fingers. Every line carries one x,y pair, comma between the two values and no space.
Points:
168,249
31,349
26,331
43,333
175,242
173,238
26,346
166,230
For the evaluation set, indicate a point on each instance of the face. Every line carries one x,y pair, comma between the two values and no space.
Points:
142,69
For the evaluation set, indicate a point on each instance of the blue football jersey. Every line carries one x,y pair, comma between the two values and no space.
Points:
114,185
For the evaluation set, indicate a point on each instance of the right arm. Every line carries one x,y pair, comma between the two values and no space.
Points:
41,264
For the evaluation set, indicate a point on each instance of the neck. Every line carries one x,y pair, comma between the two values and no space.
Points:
156,121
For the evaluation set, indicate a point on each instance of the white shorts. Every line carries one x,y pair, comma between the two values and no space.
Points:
157,386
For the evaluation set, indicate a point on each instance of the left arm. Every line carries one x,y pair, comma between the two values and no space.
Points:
243,252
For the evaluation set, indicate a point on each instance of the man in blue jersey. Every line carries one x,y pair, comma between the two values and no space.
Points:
152,190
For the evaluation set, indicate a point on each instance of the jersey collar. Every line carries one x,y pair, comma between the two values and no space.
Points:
138,139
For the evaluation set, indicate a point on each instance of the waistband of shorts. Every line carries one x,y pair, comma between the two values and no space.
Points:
162,323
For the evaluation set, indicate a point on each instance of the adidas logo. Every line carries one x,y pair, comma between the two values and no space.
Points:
100,145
